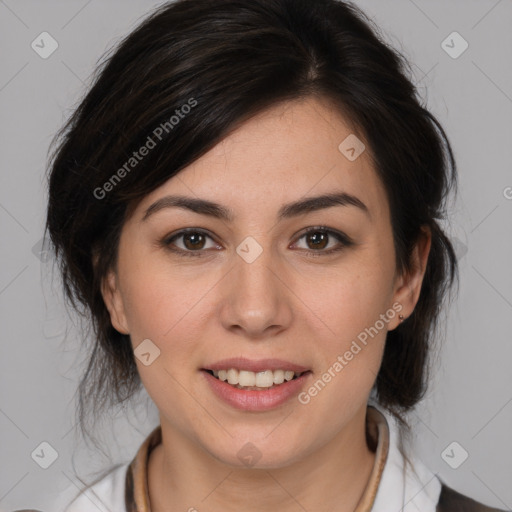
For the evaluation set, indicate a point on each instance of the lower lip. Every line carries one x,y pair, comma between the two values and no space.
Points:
249,400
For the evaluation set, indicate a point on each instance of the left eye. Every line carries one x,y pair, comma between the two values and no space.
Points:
319,238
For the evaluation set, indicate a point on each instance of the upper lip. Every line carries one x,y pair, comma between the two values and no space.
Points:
255,365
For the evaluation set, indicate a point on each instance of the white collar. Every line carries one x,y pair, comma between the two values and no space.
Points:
415,490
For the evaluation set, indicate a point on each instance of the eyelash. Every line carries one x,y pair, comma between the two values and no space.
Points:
344,240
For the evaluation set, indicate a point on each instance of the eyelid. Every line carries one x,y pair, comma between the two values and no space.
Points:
331,231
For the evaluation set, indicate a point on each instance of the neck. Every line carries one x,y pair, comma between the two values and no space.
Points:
182,476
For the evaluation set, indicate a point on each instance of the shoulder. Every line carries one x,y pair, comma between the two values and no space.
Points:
408,484
453,501
105,494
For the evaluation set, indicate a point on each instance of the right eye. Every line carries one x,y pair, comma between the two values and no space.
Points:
193,241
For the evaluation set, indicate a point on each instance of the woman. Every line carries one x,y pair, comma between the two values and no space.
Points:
247,204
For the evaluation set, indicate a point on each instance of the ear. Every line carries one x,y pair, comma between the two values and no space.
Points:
114,302
408,285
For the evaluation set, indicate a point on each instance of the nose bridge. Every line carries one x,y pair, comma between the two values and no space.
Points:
254,278
257,297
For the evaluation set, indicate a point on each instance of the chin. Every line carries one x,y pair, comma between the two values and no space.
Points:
264,454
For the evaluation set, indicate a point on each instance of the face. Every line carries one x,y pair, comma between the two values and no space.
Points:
307,287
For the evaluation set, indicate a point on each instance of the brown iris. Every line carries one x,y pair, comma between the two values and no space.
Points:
319,238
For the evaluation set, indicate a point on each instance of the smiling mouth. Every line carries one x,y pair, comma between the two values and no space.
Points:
255,381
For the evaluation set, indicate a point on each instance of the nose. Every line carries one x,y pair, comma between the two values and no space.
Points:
257,299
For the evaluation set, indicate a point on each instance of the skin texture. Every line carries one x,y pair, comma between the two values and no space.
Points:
286,304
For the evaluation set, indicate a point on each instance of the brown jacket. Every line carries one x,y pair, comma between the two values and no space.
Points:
452,501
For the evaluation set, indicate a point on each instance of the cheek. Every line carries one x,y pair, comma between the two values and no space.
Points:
148,305
169,305
162,310
160,305
354,306
157,292
351,349
350,300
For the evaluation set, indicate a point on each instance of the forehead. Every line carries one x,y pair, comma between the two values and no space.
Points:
288,151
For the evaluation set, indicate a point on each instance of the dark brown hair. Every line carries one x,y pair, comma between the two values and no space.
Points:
229,60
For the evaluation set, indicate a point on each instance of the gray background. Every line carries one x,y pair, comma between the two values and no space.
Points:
470,399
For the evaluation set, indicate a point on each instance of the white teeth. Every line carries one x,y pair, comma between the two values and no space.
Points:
265,379
246,378
233,376
278,376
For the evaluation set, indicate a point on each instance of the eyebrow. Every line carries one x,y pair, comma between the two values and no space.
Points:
287,211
